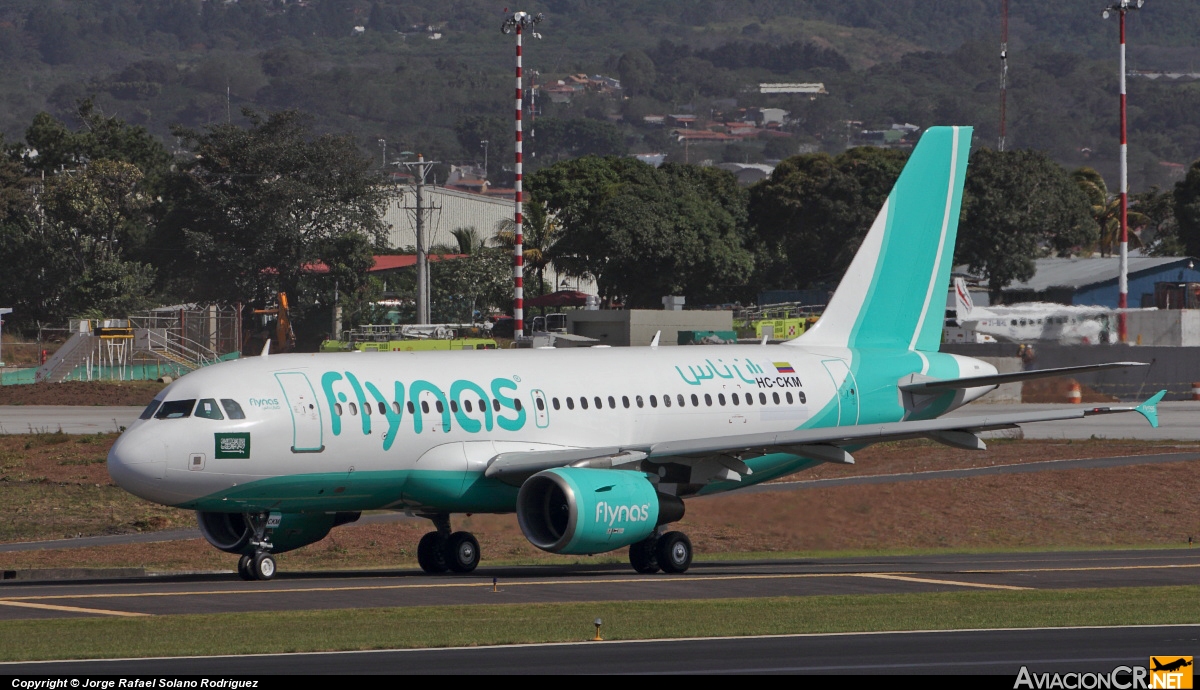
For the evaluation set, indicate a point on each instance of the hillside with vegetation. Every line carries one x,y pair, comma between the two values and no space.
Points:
155,148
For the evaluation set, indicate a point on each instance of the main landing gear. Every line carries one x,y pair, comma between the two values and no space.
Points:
259,565
442,551
671,553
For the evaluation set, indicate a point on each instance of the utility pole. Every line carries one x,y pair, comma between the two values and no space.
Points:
514,24
421,168
1121,7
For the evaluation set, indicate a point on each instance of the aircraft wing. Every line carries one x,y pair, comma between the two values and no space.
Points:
822,444
932,385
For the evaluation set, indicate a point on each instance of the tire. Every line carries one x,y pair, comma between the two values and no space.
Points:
430,554
642,557
243,568
263,566
674,552
462,552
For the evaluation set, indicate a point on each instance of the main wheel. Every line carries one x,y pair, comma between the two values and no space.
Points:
462,552
674,551
642,558
430,554
263,566
244,571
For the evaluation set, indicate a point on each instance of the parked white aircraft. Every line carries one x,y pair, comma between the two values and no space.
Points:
594,449
1036,321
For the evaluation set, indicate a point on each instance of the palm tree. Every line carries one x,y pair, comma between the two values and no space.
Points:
540,231
469,240
1106,211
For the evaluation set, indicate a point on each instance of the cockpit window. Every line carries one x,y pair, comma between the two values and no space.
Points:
150,409
175,409
208,409
233,409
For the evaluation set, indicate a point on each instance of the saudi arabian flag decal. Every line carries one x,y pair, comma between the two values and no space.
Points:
232,446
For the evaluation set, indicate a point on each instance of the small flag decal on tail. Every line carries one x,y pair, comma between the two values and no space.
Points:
784,368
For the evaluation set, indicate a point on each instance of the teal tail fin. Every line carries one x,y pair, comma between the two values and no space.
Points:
894,293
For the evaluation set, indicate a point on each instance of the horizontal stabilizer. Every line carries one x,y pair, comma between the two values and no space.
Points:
933,385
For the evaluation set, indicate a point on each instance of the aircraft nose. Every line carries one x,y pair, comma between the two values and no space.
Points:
137,462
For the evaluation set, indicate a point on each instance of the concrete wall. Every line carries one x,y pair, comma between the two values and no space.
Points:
1007,392
1166,327
638,326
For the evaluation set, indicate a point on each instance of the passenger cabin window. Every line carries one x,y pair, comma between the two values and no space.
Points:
612,404
570,403
516,404
582,402
667,400
640,403
176,409
625,401
540,405
208,409
653,401
789,397
556,406
232,409
411,408
695,400
150,409
708,399
682,402
599,403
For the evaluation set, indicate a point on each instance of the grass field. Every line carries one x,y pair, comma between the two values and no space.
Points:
454,626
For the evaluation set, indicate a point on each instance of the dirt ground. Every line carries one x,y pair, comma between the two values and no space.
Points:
135,393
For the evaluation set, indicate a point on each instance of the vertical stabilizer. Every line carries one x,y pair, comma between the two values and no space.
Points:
963,306
894,293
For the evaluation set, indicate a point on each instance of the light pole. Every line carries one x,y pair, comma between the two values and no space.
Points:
484,144
383,152
513,25
1121,7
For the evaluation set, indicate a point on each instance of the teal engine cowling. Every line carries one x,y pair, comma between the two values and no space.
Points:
574,510
231,533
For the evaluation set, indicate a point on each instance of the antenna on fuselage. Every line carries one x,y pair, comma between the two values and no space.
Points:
266,348
654,342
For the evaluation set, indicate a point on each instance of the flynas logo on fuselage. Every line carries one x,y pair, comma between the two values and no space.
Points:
466,404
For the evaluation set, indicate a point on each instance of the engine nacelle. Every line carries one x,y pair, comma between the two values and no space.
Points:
230,533
575,510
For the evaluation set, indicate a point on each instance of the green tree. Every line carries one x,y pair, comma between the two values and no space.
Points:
539,233
637,73
258,206
644,232
1160,233
1187,209
1018,205
812,213
1106,211
463,290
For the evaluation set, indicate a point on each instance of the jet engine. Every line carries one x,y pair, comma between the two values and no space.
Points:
231,533
573,510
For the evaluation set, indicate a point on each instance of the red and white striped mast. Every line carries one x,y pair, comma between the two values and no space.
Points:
514,24
1121,7
1003,73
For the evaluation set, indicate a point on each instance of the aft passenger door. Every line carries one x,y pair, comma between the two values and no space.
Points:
306,414
846,388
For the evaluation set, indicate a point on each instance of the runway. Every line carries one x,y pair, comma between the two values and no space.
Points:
291,591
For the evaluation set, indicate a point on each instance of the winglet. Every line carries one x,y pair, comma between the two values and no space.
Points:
1149,409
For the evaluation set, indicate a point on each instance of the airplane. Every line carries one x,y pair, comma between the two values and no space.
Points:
1036,321
594,449
1181,662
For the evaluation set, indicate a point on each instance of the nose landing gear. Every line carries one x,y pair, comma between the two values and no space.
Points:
259,565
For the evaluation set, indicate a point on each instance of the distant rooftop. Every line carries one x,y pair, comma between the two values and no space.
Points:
1077,273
